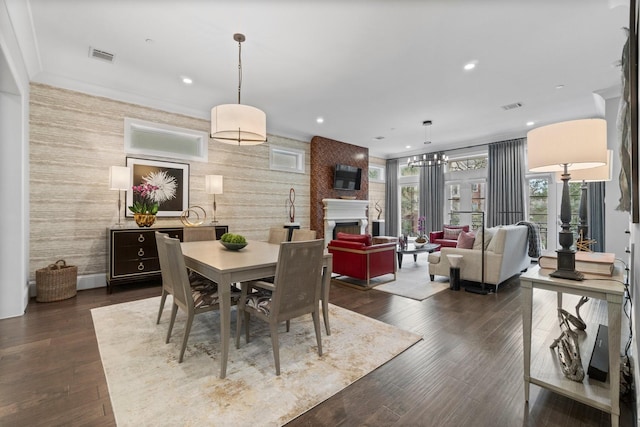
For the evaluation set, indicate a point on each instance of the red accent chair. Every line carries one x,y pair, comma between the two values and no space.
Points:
447,241
355,256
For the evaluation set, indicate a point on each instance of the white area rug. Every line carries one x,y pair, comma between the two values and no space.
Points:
414,290
148,387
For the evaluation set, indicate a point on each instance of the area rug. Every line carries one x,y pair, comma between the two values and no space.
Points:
149,387
415,290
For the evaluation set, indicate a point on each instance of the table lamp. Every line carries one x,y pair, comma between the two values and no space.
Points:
571,145
119,179
213,185
597,174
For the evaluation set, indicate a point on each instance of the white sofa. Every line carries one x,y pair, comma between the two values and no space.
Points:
505,256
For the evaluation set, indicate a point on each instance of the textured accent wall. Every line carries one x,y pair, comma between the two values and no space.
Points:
75,138
325,154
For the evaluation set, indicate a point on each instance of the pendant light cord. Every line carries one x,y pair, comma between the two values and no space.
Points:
239,69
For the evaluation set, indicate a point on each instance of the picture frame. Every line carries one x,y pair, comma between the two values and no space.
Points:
176,176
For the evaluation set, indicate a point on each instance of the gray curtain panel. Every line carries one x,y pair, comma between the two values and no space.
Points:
432,196
596,214
505,185
391,199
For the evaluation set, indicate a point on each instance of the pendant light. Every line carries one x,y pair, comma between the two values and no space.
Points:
236,123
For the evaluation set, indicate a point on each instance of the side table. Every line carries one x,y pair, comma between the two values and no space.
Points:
544,369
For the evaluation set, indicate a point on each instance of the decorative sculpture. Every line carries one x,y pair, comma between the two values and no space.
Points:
378,209
292,208
184,216
567,346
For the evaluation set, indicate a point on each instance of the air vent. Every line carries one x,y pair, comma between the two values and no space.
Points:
512,106
100,54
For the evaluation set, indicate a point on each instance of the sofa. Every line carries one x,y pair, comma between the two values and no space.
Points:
448,236
505,256
355,255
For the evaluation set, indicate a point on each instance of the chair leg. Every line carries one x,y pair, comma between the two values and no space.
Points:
174,311
276,347
187,331
325,316
240,313
163,298
288,322
316,326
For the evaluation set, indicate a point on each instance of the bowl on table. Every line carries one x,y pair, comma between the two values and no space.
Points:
233,246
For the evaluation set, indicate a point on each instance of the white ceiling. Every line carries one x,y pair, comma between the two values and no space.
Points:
369,68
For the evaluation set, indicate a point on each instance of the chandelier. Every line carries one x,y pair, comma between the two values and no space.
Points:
425,160
236,123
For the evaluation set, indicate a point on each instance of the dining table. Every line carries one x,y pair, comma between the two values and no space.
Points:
226,267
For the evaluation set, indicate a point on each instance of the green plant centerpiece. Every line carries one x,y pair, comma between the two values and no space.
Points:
233,242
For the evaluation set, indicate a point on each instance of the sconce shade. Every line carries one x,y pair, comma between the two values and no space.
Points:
597,174
238,124
579,144
213,184
119,178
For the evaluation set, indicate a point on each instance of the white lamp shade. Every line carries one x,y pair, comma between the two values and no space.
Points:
580,144
597,174
119,178
238,124
213,184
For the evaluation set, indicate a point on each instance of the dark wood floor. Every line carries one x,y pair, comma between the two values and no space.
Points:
468,370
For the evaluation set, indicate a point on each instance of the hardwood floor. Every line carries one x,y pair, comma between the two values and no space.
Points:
466,372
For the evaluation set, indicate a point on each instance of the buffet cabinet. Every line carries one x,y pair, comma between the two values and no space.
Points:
132,252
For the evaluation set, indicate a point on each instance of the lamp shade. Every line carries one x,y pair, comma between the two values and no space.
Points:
119,178
238,124
579,144
213,184
597,174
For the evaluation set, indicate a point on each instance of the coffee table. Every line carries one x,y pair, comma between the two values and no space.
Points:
411,249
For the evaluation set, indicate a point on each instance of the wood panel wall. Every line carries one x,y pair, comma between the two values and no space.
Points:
75,138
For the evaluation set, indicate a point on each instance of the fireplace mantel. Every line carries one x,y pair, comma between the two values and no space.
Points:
344,210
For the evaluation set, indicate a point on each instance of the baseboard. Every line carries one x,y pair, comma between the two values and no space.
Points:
89,281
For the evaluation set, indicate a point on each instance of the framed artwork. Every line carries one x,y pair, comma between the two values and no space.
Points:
172,180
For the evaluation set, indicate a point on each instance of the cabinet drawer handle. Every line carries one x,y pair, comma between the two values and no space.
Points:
141,238
141,266
176,237
141,252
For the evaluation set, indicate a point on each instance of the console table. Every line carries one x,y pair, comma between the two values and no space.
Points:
544,368
132,253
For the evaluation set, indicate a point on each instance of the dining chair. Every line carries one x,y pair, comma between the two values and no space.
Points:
294,293
300,235
278,235
192,298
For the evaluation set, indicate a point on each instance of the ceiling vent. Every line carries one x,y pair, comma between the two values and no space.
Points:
100,54
511,106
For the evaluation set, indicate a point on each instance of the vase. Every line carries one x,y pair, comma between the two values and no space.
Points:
144,220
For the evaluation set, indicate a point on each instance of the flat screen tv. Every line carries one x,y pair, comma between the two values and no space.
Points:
347,177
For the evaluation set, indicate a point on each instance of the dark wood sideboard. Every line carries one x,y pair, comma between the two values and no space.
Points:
132,253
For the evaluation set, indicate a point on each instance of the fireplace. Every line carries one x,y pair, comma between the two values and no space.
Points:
341,213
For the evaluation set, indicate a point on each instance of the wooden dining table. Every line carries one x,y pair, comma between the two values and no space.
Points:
226,267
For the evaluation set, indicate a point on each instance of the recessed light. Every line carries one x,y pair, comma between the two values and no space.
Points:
408,146
559,86
470,65
186,80
531,123
378,138
320,120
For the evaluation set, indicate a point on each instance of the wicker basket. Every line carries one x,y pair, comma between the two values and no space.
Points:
56,282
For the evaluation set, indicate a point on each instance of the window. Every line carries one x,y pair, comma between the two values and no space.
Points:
161,140
469,163
286,159
539,206
409,207
465,196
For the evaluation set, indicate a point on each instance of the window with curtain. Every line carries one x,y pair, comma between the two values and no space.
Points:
409,194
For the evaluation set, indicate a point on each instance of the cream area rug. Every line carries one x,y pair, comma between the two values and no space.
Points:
148,387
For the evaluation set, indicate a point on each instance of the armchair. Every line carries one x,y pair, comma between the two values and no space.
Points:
355,256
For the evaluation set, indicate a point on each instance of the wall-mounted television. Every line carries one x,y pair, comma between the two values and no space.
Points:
347,177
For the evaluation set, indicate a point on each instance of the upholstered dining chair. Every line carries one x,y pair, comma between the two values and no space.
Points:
294,293
278,235
300,235
191,298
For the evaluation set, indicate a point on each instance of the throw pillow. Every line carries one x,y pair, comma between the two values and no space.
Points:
359,238
488,235
465,240
451,233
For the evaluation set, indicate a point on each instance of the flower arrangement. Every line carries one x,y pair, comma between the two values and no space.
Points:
156,187
422,238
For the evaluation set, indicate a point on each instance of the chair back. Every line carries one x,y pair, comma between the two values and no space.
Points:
278,235
301,235
298,279
197,234
172,267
